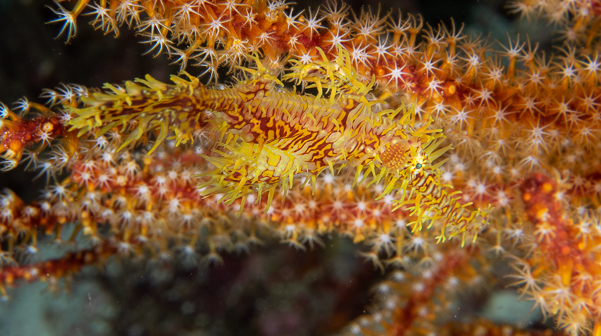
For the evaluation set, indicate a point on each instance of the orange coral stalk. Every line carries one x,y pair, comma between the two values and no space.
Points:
568,272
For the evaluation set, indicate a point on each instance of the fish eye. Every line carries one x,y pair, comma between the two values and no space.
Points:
418,166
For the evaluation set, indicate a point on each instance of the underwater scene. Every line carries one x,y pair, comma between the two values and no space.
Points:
273,168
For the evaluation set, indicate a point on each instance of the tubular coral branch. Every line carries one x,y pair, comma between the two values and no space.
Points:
569,271
52,270
154,201
404,318
18,134
414,298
